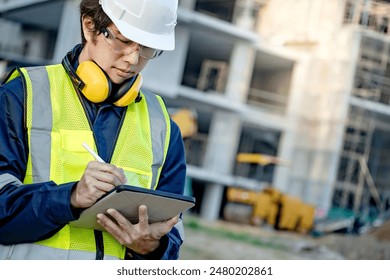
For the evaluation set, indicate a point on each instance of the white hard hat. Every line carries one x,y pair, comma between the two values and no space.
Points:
148,22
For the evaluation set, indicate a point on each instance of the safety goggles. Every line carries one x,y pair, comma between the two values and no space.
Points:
121,46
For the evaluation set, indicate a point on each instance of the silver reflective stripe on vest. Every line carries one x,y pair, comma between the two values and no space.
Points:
40,142
6,179
158,128
39,252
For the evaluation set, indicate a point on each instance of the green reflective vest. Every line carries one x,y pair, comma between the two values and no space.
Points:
57,126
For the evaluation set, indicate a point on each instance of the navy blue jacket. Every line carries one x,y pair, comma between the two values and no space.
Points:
29,213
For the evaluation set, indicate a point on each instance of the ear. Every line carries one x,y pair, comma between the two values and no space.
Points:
88,28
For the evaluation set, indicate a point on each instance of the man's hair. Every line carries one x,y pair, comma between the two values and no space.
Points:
92,9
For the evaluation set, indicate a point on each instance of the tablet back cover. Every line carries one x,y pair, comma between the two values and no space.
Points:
126,199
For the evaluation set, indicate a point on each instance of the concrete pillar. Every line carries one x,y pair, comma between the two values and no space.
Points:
211,202
222,145
69,31
225,130
241,66
188,4
244,14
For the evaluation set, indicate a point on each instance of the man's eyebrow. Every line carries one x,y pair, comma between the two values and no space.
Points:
119,35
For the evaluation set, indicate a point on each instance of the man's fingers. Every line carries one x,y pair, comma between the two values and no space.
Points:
107,173
119,218
114,223
121,175
105,221
143,217
173,221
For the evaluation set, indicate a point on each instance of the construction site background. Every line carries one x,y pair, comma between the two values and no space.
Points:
283,104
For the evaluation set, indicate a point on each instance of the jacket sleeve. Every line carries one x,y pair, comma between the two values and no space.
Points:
27,212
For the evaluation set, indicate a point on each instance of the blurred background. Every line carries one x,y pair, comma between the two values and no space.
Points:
284,107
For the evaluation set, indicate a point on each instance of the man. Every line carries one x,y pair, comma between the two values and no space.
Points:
46,176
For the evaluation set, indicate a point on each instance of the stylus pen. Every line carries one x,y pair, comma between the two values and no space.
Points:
95,155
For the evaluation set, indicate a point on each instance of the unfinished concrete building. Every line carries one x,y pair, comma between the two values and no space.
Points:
343,110
305,81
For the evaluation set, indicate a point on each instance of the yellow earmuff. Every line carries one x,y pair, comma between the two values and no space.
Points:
131,94
96,86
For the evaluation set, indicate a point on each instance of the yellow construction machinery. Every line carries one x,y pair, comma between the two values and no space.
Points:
186,120
269,205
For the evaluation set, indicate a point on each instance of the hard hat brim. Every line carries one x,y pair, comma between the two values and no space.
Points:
165,42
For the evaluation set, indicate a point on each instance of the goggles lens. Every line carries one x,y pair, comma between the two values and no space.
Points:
120,46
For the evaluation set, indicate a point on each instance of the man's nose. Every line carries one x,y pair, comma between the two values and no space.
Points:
132,54
132,58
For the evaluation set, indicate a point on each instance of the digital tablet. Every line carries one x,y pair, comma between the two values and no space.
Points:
126,199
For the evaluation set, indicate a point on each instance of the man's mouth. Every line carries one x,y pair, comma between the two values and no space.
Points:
124,73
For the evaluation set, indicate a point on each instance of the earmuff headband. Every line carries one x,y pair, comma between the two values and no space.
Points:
78,83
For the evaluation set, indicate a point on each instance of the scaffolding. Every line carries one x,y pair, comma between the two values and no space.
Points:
357,143
372,14
358,189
